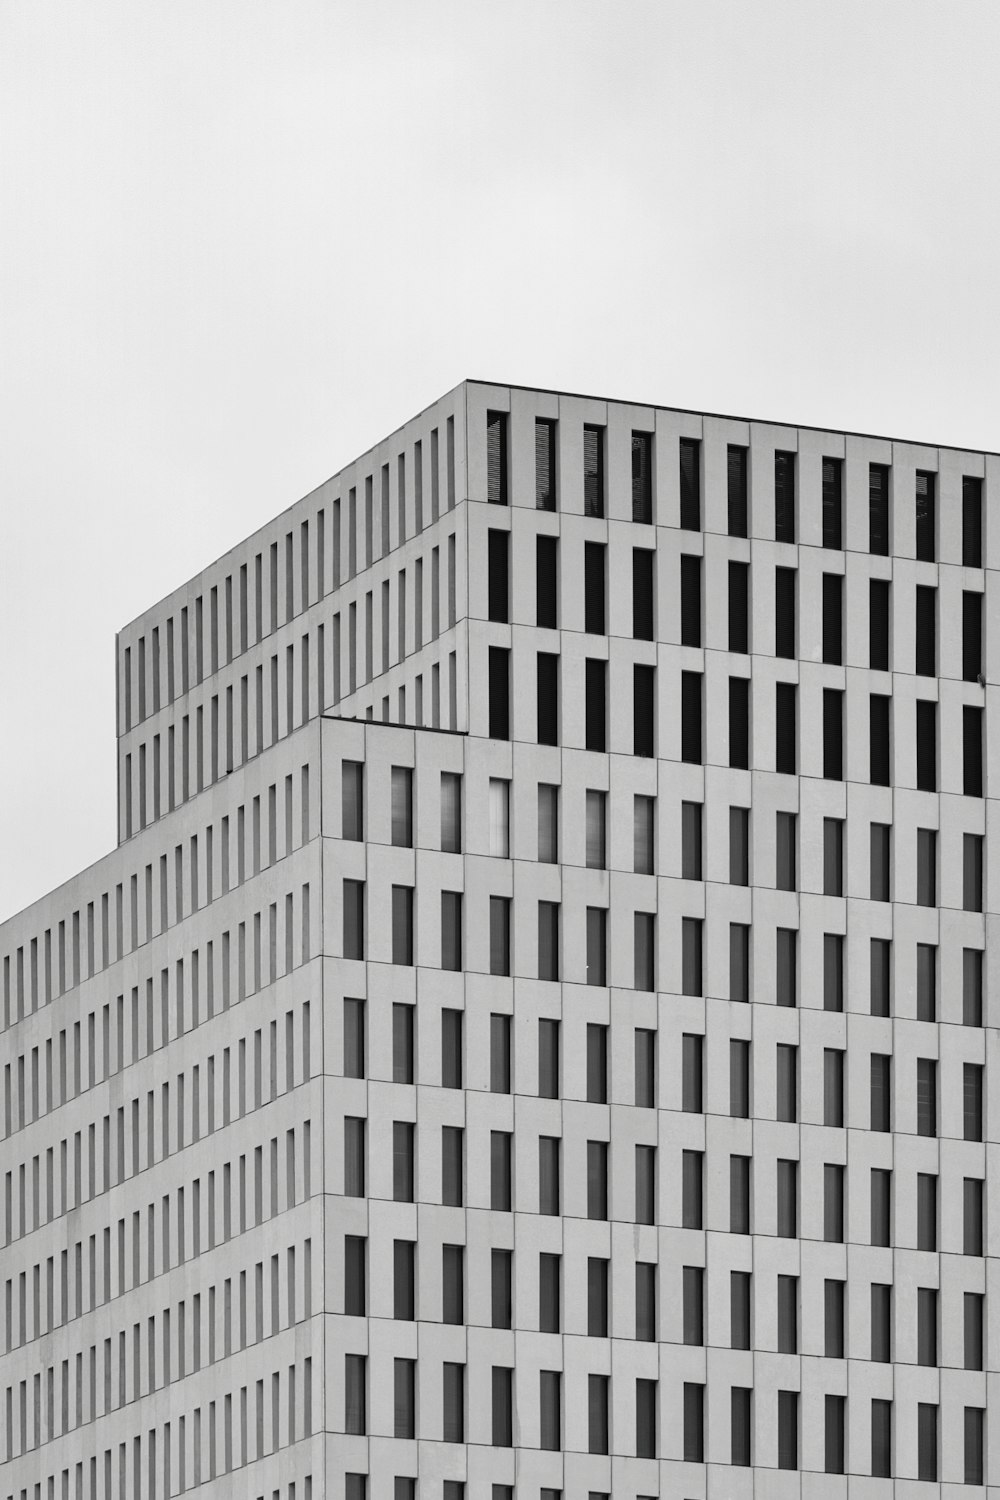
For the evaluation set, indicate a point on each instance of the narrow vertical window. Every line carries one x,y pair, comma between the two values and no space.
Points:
786,966
739,607
739,846
498,576
833,503
545,464
972,751
691,717
547,582
594,588
925,492
643,708
878,509
500,935
833,618
547,697
785,728
691,840
548,823
499,818
643,834
642,477
785,849
972,522
972,636
643,573
690,484
496,457
353,783
593,471
499,693
736,490
878,624
597,945
833,856
879,739
785,612
739,723
596,830
925,632
927,867
833,734
784,496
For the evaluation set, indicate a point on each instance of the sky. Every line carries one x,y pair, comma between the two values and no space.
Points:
241,241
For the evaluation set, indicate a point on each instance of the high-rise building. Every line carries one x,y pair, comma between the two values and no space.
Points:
531,1039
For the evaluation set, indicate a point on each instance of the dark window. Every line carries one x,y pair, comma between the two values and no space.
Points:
972,987
597,1179
972,636
833,1319
833,856
972,1216
500,1028
739,606
693,1304
597,1298
548,823
788,1314
972,522
691,955
926,867
739,1078
739,962
498,579
645,1186
500,936
452,1029
690,478
645,951
881,1092
401,806
355,1277
787,1222
545,464
595,706
926,1096
643,834
784,612
594,588
597,945
694,1422
788,1429
736,489
785,729
549,1293
548,1174
925,632
452,1165
550,1409
354,1038
880,1206
691,840
402,924
643,709
833,502
786,1082
927,1199
352,799
642,593
881,1322
739,1194
453,1403
547,582
881,977
833,618
496,457
404,1279
740,1319
972,1101
833,734
501,1176
547,692
642,477
593,471
548,1058
925,490
882,1439
354,919
453,1283
973,1303
692,1187
881,861
451,812
645,1068
741,1426
879,741
927,1325
597,1063
927,1441
404,1161
690,599
402,1043
974,1443
784,497
501,1283
739,723
597,1413
739,846
355,1394
878,624
833,1087
645,1301
834,1425
691,717
786,946
878,509
499,660
833,1203
451,930
972,751
692,1072
503,1407
926,982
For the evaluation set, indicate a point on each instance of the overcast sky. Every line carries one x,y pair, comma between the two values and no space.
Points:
241,241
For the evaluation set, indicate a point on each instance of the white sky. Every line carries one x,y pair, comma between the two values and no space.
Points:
241,241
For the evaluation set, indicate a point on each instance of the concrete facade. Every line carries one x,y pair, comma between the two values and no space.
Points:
533,1035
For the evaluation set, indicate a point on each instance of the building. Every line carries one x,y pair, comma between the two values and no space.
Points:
531,1038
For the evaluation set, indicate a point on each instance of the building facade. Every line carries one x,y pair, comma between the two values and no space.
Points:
532,1037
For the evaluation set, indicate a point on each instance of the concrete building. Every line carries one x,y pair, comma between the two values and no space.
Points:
532,1037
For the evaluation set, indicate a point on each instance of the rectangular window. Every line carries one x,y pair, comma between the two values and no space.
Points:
596,835
452,1165
597,1414
881,861
972,1101
354,1038
972,751
691,840
972,522
597,1298
786,986
925,632
690,484
500,1029
402,1042
593,471
879,744
501,1281
927,867
645,1301
548,1174
880,1223
404,1398
833,856
788,1314
548,940
453,1283
739,607
739,962
496,457
402,924
882,1439
736,490
501,1179
693,1304
927,1325
550,1409
972,1215
739,1194
878,624
355,1263
692,1072
402,1161
739,1078
547,697
833,734
451,1048
740,1319
451,812
834,1302
403,1279
787,1220
643,834
548,823
691,717
785,851
498,576
451,930
548,1058
645,1418
927,1441
499,818
692,1186
784,496
974,1444
785,728
645,1185
785,612
833,1087
500,935
595,704
833,971
691,956
499,692
401,806
453,1403
833,503
690,599
926,982
739,846
833,1203
355,1394
878,509
594,588
545,464
354,918
972,987
972,1308
503,1406
834,1424
645,1068
926,515
741,1426
788,1429
352,797
643,611
833,618
597,1063
597,945
786,1082
926,731
881,1092
597,1179
972,636
643,709
927,1206
642,477
739,723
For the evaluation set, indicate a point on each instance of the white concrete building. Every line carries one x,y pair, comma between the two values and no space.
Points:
532,1037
